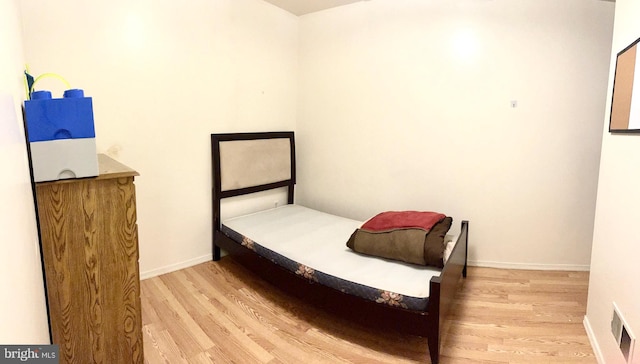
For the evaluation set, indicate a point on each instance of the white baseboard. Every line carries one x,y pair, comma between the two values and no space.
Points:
527,266
174,267
474,263
592,339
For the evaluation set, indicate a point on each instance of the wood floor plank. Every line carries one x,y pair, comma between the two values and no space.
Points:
191,335
160,344
218,312
260,323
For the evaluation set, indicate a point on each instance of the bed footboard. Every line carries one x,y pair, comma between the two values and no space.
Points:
443,291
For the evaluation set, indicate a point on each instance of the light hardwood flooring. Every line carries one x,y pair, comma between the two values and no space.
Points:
218,312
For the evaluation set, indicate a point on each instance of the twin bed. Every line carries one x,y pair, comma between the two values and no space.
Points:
304,251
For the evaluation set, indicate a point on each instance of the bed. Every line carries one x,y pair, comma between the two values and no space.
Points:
304,252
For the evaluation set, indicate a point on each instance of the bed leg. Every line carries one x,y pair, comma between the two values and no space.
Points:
434,348
465,229
216,253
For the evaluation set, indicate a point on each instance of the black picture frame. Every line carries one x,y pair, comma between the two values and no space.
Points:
625,106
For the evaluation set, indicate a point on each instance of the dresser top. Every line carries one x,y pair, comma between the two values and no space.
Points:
111,168
107,168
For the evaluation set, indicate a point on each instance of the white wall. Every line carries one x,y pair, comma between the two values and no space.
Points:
416,91
405,104
23,315
615,266
163,76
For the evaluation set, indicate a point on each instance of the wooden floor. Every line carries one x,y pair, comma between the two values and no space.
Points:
217,312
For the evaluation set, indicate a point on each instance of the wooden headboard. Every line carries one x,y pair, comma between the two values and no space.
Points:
244,163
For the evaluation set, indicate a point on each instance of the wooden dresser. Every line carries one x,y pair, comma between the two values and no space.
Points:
89,242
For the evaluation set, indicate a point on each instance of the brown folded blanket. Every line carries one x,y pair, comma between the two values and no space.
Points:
408,244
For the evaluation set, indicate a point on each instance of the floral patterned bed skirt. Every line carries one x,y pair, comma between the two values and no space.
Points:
355,289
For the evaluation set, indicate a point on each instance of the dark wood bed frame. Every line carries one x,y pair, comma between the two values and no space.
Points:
424,323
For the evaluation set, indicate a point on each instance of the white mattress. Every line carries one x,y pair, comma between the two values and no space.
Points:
318,240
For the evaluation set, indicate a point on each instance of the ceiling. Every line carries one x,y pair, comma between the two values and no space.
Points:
301,7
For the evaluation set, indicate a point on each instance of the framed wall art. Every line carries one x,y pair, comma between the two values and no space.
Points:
625,103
